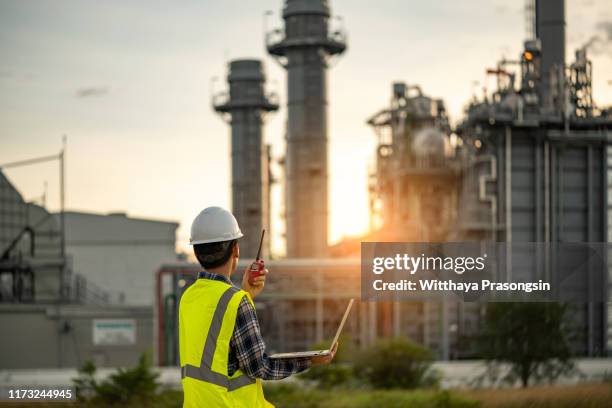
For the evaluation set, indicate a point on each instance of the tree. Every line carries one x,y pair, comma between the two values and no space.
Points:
531,337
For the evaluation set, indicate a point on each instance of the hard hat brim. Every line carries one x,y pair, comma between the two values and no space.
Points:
218,239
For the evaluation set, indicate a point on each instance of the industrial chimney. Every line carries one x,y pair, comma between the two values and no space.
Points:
550,30
304,49
244,109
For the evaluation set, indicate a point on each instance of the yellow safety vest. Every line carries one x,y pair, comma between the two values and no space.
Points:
207,316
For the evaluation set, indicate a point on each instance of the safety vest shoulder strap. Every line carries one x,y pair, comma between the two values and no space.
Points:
204,372
215,327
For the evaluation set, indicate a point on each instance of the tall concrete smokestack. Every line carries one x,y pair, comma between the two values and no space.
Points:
550,29
304,50
244,108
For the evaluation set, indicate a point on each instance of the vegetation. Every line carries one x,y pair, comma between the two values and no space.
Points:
531,337
378,377
293,396
395,363
136,385
569,396
284,395
574,396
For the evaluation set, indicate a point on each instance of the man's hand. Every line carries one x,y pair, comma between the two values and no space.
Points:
319,360
257,285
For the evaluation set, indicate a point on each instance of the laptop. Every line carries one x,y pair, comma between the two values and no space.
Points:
318,352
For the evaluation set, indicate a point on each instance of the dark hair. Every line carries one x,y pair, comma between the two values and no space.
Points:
214,254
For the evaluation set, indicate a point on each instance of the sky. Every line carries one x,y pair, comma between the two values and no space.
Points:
129,83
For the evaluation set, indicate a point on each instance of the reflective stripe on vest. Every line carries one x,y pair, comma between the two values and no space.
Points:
204,371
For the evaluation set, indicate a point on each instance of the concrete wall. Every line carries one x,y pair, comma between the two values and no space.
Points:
119,254
37,336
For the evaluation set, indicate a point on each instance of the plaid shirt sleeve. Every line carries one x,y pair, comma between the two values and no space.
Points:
250,349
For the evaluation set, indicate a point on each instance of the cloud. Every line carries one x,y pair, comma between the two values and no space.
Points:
92,91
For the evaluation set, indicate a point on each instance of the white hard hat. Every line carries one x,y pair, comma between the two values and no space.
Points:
214,224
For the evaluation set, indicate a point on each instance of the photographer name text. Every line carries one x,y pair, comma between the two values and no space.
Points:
450,285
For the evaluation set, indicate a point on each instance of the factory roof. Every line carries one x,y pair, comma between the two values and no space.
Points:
84,228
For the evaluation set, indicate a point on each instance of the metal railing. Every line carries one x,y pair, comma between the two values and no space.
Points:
87,292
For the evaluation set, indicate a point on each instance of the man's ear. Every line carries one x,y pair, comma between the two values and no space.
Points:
236,250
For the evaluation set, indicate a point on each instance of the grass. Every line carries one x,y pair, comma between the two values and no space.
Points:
575,396
286,396
292,396
569,396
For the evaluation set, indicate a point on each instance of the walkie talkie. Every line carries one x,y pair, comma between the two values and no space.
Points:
258,266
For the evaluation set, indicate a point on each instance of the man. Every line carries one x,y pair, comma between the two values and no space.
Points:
223,358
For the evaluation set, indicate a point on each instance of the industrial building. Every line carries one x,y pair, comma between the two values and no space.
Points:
94,302
527,164
117,253
31,264
549,143
67,334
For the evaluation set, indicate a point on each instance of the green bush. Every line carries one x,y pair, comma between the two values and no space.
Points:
138,383
126,386
395,363
85,382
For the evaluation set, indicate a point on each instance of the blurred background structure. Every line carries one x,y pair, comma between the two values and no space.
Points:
529,162
305,48
244,108
82,293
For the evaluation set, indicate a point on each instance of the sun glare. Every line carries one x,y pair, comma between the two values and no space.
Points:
348,207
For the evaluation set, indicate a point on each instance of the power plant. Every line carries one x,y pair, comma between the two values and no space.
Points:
529,162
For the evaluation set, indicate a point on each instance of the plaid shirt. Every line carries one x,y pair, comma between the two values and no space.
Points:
247,347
